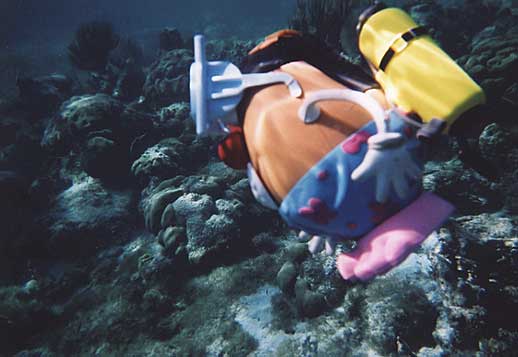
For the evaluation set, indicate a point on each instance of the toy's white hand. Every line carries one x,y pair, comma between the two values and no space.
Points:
390,162
318,243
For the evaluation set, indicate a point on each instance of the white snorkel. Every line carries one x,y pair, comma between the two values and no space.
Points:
217,88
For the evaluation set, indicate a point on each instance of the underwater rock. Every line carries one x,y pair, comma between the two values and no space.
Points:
155,265
174,119
90,113
188,206
98,128
92,45
8,130
429,14
168,79
170,122
397,309
500,345
167,218
310,303
210,185
235,179
170,39
55,139
21,316
37,352
286,277
265,242
197,150
156,301
297,252
496,143
133,123
44,94
31,287
157,209
156,203
231,50
105,159
451,180
128,49
510,187
320,273
212,219
13,219
20,133
42,191
171,239
475,265
493,61
130,256
163,160
25,155
122,78
231,208
256,216
104,82
441,20
324,20
180,111
255,315
211,222
130,81
210,226
86,217
13,192
240,190
77,118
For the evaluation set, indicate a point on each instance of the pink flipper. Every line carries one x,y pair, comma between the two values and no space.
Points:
346,264
391,242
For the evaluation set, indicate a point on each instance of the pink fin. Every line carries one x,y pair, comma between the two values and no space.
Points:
391,242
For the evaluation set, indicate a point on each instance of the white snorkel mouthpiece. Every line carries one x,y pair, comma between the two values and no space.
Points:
216,88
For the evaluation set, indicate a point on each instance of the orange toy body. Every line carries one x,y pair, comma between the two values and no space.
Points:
282,147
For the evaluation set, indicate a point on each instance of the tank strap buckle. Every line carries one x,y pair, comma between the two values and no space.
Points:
400,43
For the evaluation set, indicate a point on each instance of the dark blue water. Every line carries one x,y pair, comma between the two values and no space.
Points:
34,34
27,20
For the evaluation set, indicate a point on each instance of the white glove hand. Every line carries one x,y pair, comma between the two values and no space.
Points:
390,162
317,243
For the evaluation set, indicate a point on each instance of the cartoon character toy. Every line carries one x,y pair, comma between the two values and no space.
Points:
338,154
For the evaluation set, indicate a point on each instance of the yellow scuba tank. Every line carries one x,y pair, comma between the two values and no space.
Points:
414,72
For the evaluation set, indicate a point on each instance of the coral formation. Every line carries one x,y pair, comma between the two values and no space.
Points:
92,45
170,39
162,161
323,18
168,79
128,49
100,129
44,94
86,217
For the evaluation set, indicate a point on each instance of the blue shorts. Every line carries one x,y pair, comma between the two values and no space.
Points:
326,201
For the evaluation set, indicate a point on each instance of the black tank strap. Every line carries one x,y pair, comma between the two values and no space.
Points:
407,37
